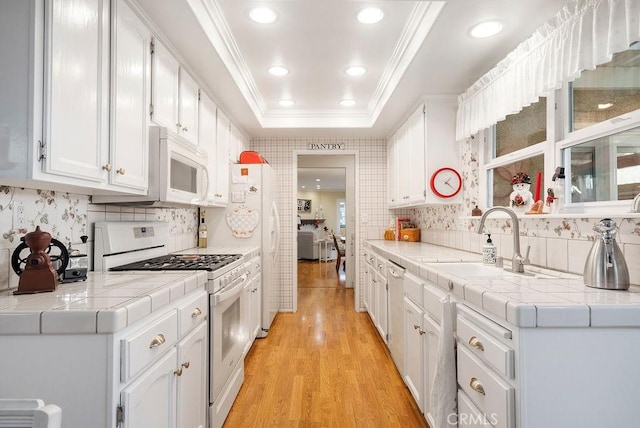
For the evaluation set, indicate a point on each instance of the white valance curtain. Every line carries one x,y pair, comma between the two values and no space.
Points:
583,34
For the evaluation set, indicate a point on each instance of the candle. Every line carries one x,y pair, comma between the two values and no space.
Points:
538,185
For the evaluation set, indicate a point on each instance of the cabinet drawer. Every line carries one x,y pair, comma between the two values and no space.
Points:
145,345
413,288
485,347
431,301
494,396
469,416
193,312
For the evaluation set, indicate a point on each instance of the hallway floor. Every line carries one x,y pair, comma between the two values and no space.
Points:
323,366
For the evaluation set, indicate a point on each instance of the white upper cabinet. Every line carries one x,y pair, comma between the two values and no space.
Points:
223,132
207,140
420,147
131,95
188,107
59,72
174,94
165,72
77,88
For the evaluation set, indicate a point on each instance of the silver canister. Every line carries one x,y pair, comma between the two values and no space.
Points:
605,266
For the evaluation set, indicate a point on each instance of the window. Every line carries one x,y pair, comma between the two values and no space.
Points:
517,145
595,137
611,90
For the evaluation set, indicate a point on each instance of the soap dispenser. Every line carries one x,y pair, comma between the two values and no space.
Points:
489,252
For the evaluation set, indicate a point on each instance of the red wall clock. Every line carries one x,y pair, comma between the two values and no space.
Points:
446,182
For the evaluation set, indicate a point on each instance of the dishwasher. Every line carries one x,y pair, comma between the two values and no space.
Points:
395,280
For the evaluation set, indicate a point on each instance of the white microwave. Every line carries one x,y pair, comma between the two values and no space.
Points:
178,173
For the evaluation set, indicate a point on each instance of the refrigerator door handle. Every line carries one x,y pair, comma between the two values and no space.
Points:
275,230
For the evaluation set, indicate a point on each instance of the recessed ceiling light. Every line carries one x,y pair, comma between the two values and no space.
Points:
370,15
262,15
485,29
317,179
278,70
605,106
347,103
356,70
286,103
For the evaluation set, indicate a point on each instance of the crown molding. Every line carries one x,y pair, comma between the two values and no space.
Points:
212,21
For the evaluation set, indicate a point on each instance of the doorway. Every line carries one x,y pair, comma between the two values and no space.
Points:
332,206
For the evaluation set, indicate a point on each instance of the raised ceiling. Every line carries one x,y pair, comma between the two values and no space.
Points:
419,49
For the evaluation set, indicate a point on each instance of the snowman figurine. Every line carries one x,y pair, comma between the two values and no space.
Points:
521,197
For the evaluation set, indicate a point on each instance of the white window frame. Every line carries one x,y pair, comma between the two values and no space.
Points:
545,148
558,139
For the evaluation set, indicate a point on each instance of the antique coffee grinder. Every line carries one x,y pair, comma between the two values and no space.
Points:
36,271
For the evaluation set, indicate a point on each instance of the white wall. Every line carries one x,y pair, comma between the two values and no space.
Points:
328,202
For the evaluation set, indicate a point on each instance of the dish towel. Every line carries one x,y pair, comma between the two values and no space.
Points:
443,400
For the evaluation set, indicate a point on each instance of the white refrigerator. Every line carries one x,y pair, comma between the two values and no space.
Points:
251,219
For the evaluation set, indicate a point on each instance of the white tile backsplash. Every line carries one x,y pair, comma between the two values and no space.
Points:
557,254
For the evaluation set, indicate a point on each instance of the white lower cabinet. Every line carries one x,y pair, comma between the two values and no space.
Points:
252,296
422,333
172,392
152,373
192,397
150,399
414,343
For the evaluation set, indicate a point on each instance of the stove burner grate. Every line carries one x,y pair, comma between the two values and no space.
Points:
208,262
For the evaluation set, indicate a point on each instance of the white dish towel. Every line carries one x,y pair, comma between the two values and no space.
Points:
443,398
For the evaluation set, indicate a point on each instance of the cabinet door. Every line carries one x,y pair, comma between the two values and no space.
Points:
131,88
188,107
192,382
77,88
392,171
164,87
382,318
256,306
416,184
403,155
207,140
150,400
223,132
414,351
432,338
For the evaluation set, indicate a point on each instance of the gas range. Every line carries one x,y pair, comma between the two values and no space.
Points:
142,246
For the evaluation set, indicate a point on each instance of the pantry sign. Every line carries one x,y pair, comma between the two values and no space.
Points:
325,146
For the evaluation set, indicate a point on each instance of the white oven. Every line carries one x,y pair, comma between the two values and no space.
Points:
228,335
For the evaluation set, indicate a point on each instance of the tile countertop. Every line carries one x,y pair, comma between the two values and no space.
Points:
105,302
554,300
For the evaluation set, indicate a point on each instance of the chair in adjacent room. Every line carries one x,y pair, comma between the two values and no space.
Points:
341,253
30,413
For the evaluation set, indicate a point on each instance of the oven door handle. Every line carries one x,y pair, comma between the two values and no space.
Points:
231,291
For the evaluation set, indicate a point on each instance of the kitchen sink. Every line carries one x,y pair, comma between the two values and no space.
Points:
479,270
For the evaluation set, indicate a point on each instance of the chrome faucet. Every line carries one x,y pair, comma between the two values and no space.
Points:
517,261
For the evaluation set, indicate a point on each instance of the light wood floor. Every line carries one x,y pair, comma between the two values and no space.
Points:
323,366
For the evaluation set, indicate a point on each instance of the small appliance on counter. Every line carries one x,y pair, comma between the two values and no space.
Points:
76,269
36,271
605,266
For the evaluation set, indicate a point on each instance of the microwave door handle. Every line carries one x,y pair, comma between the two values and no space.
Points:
235,288
205,194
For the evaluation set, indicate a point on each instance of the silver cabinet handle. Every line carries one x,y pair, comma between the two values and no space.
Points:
179,125
416,326
476,386
178,372
157,340
186,364
184,128
475,343
121,171
422,332
107,167
196,313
